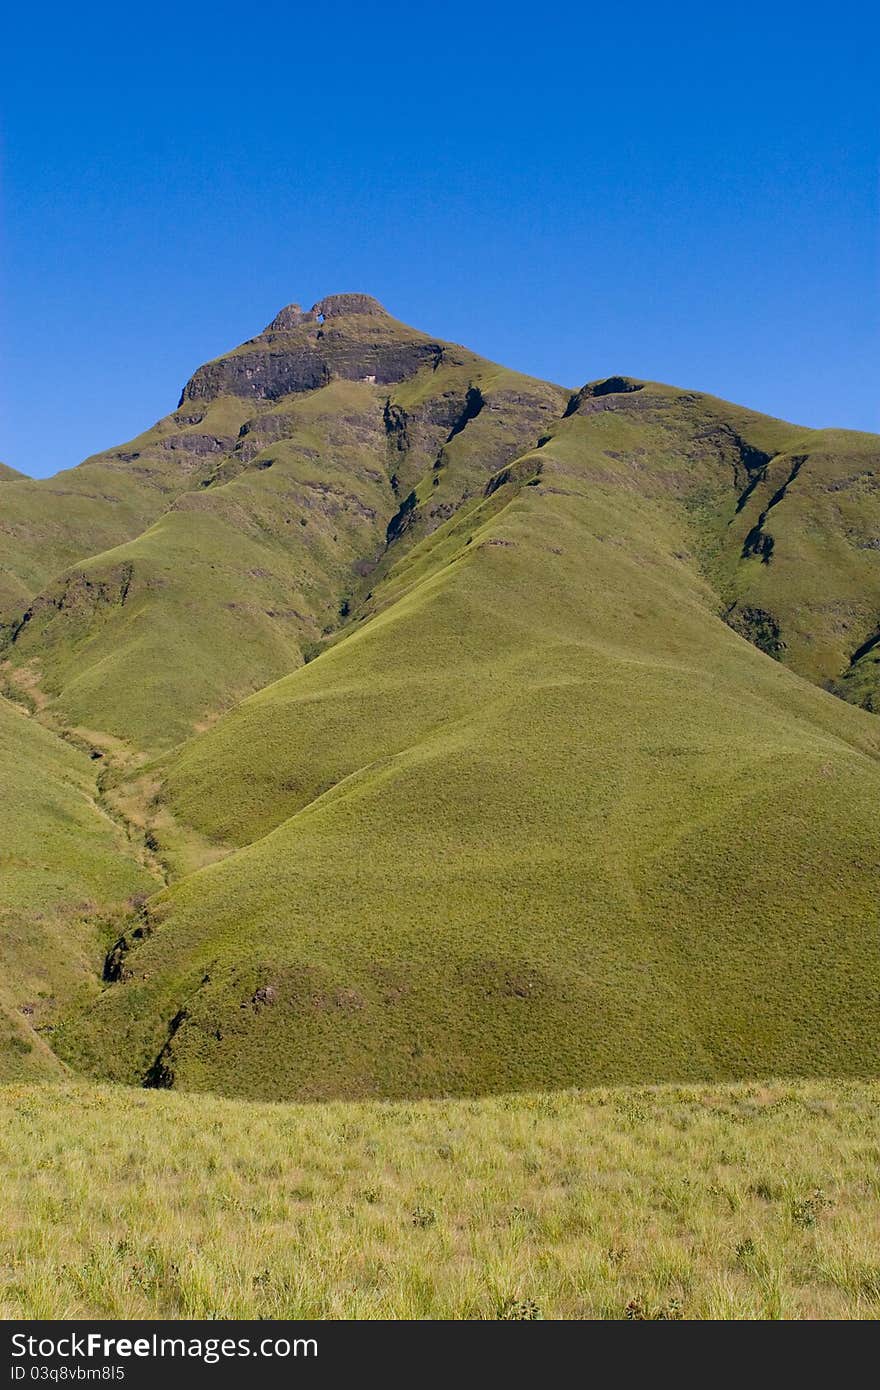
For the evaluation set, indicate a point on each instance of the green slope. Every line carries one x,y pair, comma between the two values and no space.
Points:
786,520
809,564
538,815
9,475
49,524
860,683
63,861
654,455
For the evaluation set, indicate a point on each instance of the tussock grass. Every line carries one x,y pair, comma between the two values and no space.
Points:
747,1201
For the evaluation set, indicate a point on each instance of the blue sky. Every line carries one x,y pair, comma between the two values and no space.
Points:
687,193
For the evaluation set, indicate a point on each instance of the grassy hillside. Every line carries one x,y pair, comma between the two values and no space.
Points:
541,816
786,521
483,732
807,585
52,523
860,683
664,473
218,596
63,860
9,475
713,1202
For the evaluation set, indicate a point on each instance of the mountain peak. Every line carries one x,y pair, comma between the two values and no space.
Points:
334,306
295,352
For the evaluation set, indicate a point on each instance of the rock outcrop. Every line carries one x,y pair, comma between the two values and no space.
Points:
348,336
336,306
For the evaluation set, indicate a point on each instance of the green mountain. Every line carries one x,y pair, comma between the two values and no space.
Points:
280,473
488,735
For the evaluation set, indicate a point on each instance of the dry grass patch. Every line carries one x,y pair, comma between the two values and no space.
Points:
672,1202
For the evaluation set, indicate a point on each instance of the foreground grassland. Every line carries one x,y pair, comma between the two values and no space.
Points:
747,1201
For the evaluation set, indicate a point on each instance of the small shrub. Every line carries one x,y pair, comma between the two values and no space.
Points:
767,1191
519,1310
671,1311
806,1211
637,1311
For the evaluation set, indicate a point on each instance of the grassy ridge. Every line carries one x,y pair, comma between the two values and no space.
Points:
755,1201
786,521
664,479
52,523
222,591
